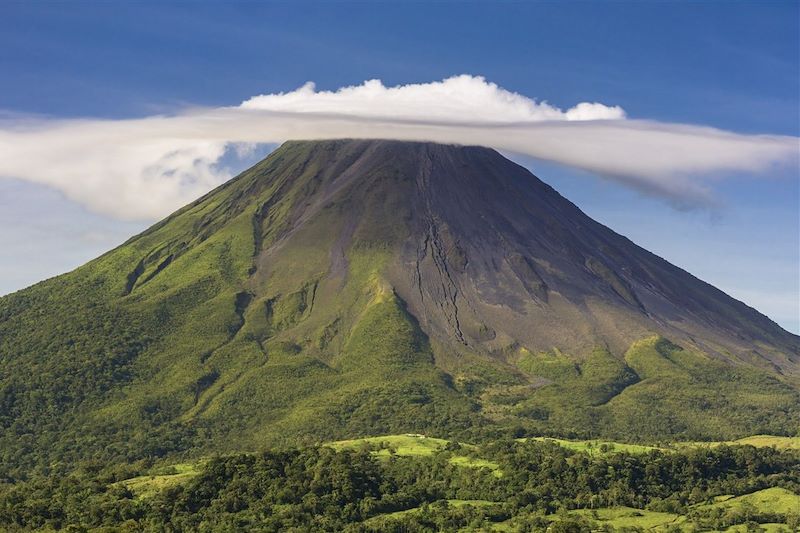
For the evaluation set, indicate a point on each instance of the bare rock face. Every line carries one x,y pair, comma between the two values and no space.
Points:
485,255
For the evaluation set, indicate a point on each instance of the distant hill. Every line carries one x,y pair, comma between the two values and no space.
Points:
352,288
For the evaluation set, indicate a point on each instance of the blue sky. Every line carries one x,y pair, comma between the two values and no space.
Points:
729,65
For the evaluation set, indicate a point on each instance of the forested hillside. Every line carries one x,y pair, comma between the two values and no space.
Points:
410,484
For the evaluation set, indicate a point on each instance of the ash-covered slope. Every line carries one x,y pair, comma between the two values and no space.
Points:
343,288
487,255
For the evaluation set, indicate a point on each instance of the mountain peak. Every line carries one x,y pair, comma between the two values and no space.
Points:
385,144
352,286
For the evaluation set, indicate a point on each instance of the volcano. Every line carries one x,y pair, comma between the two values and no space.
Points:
361,287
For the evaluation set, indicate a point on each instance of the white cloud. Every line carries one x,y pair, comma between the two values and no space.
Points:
145,168
457,99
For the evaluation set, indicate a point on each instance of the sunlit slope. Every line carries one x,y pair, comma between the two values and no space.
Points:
657,389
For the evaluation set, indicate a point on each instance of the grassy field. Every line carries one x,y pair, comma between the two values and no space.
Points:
472,462
775,499
598,447
414,445
150,485
376,520
402,445
759,441
620,517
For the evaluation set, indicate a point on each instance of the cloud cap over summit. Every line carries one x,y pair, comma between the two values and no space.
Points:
145,168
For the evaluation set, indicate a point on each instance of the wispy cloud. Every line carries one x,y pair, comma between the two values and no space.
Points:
145,168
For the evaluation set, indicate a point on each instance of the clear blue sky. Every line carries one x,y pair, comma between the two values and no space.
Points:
731,65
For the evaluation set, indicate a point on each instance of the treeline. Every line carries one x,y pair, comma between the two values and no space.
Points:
320,489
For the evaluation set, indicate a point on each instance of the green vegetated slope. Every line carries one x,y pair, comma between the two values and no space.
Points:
329,292
179,339
658,389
